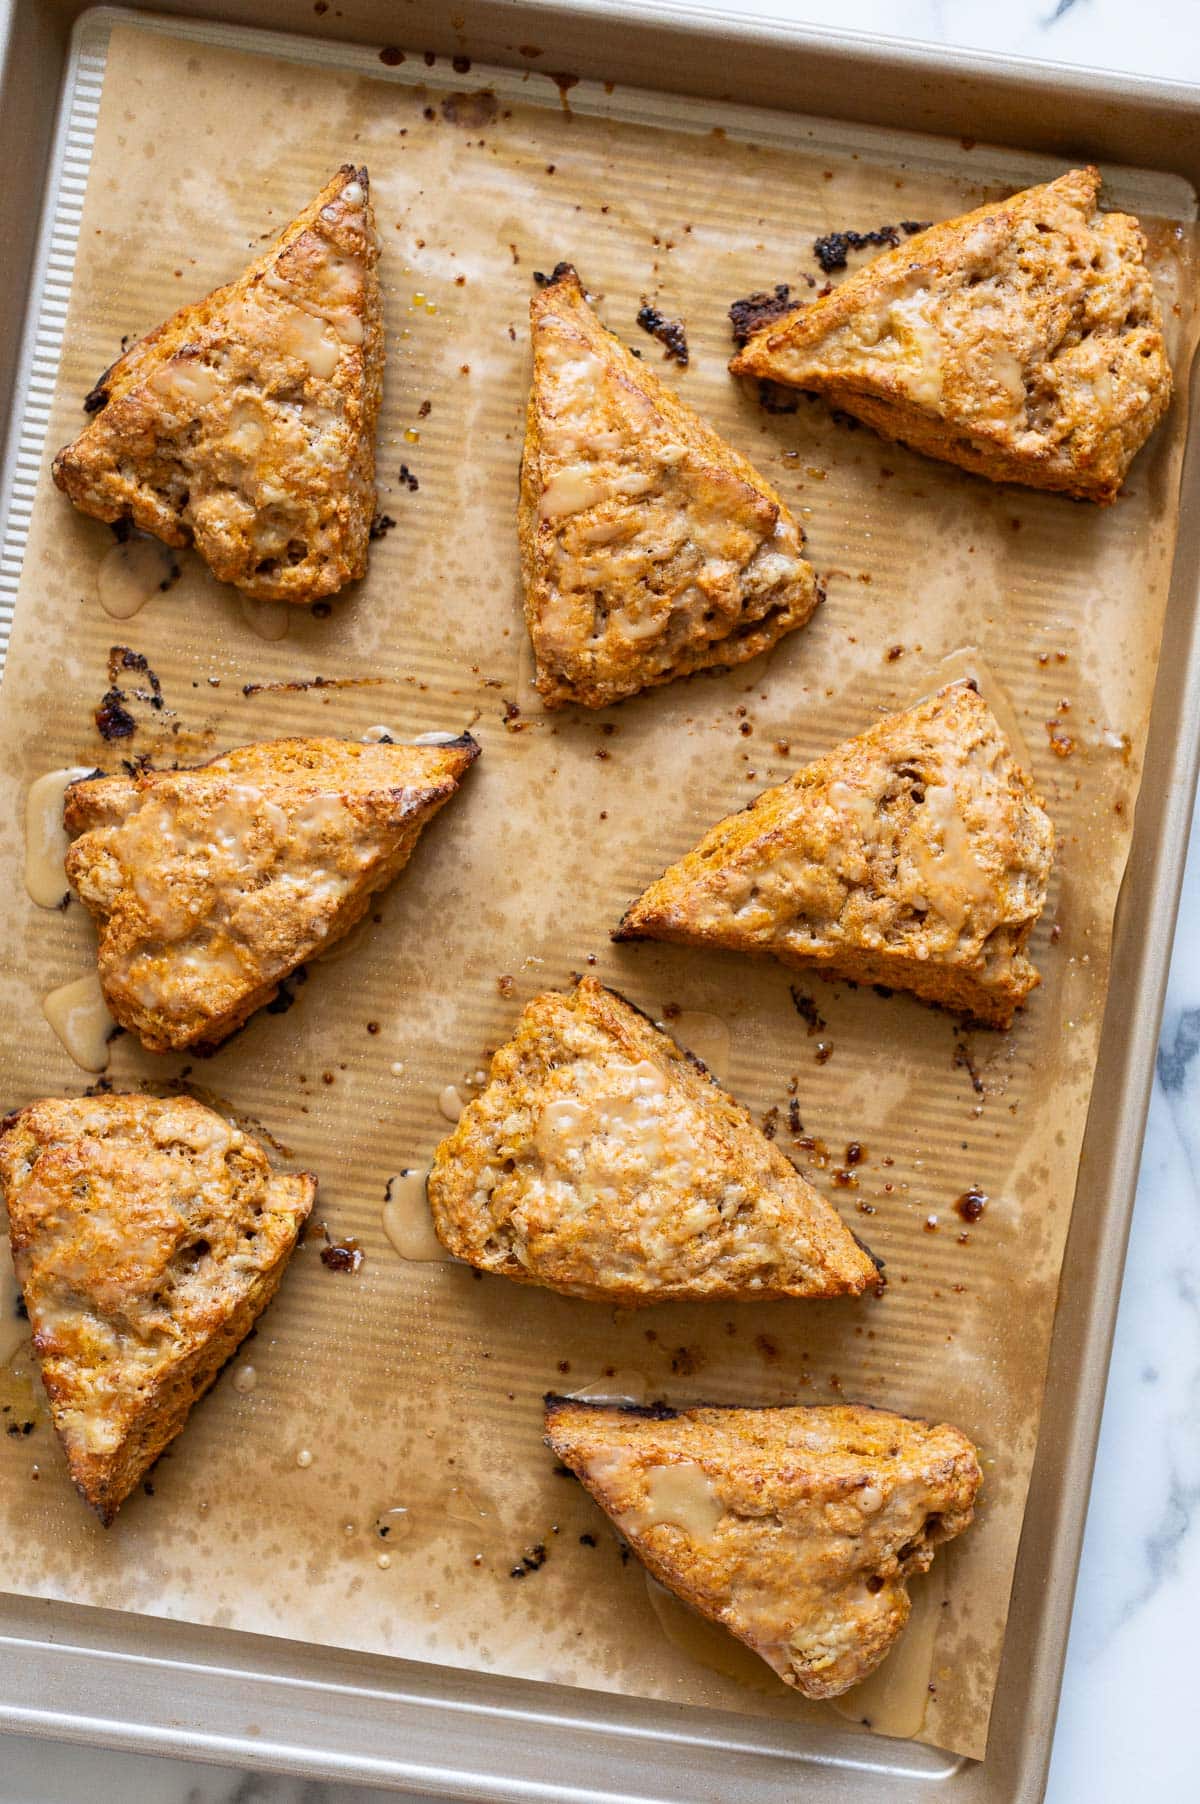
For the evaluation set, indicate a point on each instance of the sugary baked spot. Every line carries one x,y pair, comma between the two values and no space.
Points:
603,1161
148,1234
797,1529
245,425
649,547
209,886
1022,341
915,856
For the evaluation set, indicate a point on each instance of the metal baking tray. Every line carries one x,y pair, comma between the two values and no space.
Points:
154,1685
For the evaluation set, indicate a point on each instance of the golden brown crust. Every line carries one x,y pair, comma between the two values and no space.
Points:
601,1160
147,1236
915,855
795,1528
245,424
1022,341
649,547
210,885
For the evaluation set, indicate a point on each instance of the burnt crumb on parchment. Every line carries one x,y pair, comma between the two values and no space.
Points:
806,1007
299,684
341,1255
762,308
113,717
121,660
408,480
833,248
380,526
531,1561
670,333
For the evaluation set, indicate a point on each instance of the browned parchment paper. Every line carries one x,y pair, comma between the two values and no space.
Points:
417,1386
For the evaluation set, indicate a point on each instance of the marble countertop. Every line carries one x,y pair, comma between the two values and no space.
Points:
1129,1676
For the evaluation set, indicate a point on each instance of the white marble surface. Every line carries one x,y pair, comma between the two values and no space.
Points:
1128,1691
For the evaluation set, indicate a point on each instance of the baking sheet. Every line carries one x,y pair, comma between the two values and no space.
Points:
416,1386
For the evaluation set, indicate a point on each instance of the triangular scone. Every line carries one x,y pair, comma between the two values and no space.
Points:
649,547
916,856
603,1161
245,425
795,1528
210,885
148,1235
1022,341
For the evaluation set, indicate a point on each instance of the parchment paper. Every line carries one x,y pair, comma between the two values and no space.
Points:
417,1386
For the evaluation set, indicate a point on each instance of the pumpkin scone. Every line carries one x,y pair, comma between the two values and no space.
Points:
603,1161
915,856
245,424
148,1235
210,885
649,547
796,1528
1022,341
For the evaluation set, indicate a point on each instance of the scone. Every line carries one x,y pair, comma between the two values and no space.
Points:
148,1235
603,1161
1022,341
797,1529
649,547
914,856
245,425
209,886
